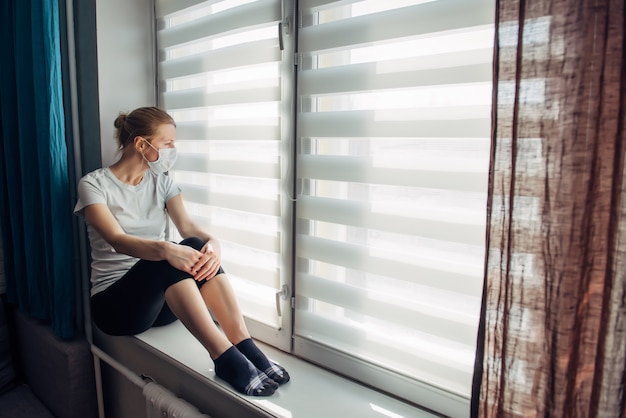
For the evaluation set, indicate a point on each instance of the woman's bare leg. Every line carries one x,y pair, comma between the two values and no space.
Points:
188,305
219,297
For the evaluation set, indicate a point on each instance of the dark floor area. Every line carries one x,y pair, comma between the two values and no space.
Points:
20,402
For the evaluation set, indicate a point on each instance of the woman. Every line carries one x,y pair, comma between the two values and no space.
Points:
139,279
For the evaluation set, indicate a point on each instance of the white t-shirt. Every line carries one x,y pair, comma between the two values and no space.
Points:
139,209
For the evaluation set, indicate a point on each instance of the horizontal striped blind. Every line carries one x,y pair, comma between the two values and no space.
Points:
393,131
220,78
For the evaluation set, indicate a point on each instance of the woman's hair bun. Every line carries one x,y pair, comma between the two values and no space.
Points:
120,120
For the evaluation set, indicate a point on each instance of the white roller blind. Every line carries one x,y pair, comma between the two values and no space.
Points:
393,131
221,77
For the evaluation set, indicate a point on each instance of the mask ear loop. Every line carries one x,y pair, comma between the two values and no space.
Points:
151,146
143,155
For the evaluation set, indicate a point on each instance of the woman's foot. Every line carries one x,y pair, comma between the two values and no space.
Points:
241,374
274,371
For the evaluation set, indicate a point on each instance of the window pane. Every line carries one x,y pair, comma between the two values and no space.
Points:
221,80
394,141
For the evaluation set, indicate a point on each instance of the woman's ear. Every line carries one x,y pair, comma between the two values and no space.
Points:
139,143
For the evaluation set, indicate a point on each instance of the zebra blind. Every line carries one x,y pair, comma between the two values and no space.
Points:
220,78
393,131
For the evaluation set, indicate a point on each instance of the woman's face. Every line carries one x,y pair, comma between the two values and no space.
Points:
165,137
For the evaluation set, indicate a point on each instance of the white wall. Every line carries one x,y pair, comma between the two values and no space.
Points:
126,63
126,74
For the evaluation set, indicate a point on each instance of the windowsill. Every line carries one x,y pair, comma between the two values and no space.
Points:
312,392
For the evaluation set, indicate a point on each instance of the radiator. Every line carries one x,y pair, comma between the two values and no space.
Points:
161,403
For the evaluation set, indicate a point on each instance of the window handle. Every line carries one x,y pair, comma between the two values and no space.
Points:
283,30
284,294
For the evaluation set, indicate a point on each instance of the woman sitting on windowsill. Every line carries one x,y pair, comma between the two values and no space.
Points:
139,280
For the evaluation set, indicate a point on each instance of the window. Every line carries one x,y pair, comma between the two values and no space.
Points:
380,228
221,76
393,138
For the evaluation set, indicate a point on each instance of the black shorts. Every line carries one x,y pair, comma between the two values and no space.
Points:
136,301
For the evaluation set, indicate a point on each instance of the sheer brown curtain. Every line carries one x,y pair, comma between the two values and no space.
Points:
552,334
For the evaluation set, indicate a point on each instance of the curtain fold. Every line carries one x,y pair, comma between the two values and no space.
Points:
36,210
552,335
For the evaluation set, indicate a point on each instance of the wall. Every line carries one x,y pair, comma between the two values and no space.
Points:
126,63
126,74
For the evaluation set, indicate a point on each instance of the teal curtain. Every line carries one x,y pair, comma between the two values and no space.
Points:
36,204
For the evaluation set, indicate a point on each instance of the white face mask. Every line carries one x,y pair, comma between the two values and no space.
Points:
165,160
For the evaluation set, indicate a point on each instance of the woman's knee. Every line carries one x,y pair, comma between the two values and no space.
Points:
202,282
193,242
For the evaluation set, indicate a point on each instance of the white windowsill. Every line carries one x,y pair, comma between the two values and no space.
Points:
312,392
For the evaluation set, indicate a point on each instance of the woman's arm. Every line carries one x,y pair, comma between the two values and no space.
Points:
187,227
180,256
204,268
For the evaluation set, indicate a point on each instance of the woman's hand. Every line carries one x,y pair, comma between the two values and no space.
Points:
201,264
208,264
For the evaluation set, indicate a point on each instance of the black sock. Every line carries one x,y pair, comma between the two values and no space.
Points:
237,370
274,371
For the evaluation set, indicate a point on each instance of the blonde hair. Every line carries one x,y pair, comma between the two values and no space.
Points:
143,121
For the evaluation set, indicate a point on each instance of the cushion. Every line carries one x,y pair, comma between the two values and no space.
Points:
60,373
